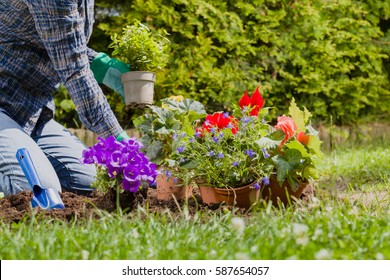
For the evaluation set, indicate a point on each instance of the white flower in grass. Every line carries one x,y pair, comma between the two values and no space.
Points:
84,254
379,256
300,229
323,254
135,233
238,224
242,256
317,234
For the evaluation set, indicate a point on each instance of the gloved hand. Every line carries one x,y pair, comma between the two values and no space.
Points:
123,136
108,71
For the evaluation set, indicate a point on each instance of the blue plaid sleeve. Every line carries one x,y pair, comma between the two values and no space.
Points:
62,29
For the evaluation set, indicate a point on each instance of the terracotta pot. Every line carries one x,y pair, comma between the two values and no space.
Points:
274,192
242,197
208,194
167,188
246,196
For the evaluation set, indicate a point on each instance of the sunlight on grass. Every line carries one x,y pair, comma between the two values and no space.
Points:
349,218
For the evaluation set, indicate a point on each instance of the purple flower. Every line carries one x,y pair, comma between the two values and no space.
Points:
197,134
122,160
192,139
250,153
245,120
265,153
181,149
225,115
220,155
230,125
265,181
211,153
215,139
235,163
256,186
213,130
168,173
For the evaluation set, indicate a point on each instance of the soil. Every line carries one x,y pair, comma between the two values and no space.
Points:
16,208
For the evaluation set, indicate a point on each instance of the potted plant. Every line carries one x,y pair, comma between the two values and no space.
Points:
244,154
121,166
159,127
146,53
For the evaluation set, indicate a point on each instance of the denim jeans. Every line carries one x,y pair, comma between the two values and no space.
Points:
55,153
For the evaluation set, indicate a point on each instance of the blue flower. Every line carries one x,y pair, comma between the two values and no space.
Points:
220,155
181,149
265,153
235,163
256,186
250,153
211,153
265,181
245,120
215,139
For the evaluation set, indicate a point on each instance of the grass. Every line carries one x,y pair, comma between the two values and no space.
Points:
349,219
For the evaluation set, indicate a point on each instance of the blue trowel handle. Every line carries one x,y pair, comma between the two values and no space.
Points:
28,167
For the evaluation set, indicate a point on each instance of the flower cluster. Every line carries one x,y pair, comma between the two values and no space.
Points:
120,163
244,148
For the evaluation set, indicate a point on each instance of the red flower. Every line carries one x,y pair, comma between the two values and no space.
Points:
288,126
303,138
256,102
220,121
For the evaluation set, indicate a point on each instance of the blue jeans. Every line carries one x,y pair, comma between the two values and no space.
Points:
55,153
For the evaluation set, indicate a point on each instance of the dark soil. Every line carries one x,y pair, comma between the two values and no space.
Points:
15,208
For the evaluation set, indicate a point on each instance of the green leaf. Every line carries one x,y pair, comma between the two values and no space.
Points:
267,143
315,145
296,145
153,150
299,117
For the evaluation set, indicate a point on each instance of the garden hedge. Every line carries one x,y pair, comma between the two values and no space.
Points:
331,56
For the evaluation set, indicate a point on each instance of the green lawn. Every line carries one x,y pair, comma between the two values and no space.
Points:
348,219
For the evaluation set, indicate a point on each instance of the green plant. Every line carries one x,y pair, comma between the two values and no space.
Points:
162,123
143,49
232,151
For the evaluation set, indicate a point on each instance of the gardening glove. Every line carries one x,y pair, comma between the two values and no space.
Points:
108,71
123,136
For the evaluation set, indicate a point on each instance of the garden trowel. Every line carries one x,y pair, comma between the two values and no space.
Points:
43,197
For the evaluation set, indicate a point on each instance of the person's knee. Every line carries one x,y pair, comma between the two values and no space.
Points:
79,179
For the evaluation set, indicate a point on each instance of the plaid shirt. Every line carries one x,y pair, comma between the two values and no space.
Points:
44,43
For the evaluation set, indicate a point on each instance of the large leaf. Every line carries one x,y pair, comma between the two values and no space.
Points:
287,163
295,144
185,105
153,150
299,117
163,115
267,143
315,145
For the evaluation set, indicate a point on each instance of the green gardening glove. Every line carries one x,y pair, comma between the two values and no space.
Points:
123,136
108,71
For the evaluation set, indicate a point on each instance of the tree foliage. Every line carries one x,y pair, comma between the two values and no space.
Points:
332,56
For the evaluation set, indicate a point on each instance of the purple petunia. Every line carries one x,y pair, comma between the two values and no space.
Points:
123,160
